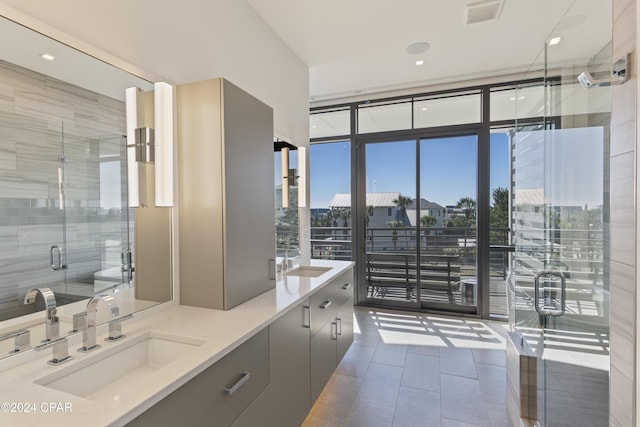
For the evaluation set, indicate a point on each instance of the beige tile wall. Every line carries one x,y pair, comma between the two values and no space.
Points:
623,227
35,111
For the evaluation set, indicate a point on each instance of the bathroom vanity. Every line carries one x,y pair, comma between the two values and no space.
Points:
263,362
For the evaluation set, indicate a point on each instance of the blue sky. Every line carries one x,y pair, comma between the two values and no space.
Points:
448,168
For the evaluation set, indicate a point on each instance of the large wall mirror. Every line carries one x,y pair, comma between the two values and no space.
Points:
66,223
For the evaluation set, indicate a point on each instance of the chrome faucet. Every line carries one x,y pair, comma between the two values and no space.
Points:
53,325
60,350
21,342
89,327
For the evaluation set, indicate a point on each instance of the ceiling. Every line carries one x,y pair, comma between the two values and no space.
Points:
355,47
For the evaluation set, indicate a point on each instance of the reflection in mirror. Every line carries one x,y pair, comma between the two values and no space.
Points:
65,220
286,196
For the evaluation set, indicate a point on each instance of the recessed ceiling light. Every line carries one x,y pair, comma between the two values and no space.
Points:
554,41
513,98
424,108
47,56
419,62
521,97
418,48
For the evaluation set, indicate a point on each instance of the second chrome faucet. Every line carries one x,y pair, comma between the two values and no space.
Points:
89,327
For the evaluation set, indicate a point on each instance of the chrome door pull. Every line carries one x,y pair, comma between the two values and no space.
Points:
563,292
325,305
346,286
230,391
307,323
57,264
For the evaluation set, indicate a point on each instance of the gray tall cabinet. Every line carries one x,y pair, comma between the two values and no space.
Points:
226,176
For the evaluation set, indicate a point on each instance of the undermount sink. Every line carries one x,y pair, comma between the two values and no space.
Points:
307,271
109,372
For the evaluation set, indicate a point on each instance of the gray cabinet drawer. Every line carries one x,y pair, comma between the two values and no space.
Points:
323,358
342,288
219,394
329,299
322,308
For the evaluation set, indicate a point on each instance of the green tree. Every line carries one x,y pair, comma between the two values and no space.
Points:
428,220
457,221
499,216
468,206
500,199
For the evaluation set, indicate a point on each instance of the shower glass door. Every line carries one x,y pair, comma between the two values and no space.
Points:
96,215
559,273
64,217
560,224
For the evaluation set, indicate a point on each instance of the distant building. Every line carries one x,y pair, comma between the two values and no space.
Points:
427,208
383,211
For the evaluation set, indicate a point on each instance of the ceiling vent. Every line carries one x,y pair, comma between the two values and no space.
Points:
485,10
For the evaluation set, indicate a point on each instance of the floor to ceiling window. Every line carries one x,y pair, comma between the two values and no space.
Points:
418,191
330,195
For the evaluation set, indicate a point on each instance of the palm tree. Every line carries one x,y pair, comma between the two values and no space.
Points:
427,221
369,215
394,233
345,215
332,216
402,202
468,206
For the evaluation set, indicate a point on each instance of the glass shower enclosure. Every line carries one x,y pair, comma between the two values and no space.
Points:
64,215
559,281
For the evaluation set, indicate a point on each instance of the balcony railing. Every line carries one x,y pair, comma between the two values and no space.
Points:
335,242
579,253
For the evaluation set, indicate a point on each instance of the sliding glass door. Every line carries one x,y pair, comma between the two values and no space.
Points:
419,219
390,223
448,220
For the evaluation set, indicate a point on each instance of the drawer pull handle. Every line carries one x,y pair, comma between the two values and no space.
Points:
346,286
245,377
325,305
339,326
307,322
334,335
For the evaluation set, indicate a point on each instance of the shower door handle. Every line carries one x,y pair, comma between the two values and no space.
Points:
55,258
127,264
541,309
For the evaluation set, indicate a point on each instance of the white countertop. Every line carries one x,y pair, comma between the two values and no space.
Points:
223,331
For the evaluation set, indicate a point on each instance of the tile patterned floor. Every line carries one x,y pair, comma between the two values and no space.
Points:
417,370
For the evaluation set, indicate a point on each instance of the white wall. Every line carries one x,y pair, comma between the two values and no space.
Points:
182,42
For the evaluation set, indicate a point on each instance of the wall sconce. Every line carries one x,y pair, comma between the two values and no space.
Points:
302,178
289,177
150,136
